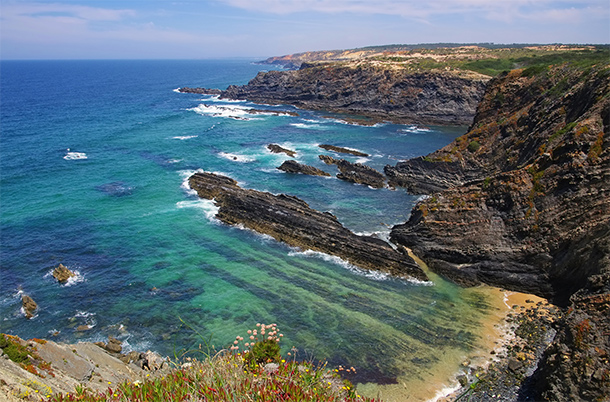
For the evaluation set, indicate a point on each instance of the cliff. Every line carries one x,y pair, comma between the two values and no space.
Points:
368,88
521,201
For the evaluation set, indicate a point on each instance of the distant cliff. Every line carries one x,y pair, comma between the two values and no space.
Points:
522,201
378,91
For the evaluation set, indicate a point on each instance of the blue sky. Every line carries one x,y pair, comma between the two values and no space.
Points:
159,29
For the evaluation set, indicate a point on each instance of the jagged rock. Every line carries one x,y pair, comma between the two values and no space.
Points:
292,221
367,89
152,361
29,306
201,91
62,274
356,172
113,345
342,150
278,149
523,203
292,166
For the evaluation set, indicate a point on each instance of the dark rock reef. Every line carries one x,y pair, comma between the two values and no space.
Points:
368,89
290,220
522,202
356,172
292,166
342,150
276,149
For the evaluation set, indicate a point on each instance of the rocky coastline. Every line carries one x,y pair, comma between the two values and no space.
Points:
380,93
521,202
291,221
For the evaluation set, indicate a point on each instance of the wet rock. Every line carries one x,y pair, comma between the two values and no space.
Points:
356,172
342,150
276,149
292,166
29,306
292,221
62,274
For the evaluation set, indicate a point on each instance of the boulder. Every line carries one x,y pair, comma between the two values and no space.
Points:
29,306
62,274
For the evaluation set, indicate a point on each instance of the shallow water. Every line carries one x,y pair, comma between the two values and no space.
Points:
94,158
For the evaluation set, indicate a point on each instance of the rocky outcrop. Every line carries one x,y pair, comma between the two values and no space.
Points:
368,89
292,166
522,202
342,150
356,172
276,149
290,220
29,306
62,274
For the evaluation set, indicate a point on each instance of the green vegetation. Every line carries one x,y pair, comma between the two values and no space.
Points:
474,146
251,369
15,351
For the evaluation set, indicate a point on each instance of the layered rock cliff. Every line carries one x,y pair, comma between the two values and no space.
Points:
521,201
290,220
381,92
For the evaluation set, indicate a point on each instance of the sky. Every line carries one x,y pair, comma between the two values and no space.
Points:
211,29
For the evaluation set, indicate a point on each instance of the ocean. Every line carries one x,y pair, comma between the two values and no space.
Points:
94,157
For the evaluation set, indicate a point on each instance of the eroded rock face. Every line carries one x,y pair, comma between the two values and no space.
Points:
356,172
382,93
62,274
522,201
290,220
292,166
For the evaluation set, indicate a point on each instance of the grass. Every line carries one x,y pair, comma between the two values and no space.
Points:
251,369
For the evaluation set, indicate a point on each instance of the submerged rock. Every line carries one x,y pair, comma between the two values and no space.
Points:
290,220
291,166
62,274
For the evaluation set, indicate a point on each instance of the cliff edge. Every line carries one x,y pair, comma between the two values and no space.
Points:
521,201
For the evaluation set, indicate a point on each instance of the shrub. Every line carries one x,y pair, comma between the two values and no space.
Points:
474,146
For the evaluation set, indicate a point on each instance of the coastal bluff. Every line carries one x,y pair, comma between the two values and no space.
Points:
291,221
379,92
522,201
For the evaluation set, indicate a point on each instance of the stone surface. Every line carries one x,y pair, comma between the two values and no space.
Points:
292,166
356,172
367,89
29,306
62,274
522,201
342,150
290,220
275,148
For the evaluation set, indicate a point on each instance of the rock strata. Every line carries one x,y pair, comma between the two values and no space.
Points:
367,89
342,150
62,274
356,172
522,201
292,166
290,220
276,149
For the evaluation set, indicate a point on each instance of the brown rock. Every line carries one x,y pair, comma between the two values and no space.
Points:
113,345
29,306
62,274
291,166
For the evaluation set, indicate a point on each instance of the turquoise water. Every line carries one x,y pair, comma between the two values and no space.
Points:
94,158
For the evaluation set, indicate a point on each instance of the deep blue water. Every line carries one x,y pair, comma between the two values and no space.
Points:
148,251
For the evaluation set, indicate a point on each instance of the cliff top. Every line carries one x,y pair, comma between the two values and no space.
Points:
478,60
